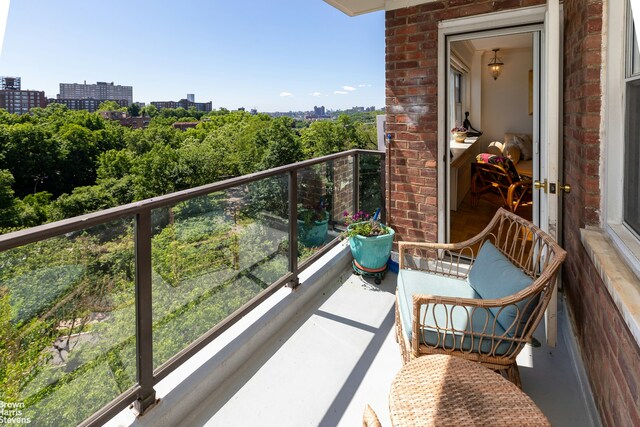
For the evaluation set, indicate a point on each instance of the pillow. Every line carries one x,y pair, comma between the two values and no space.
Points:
504,162
524,143
494,276
512,151
494,148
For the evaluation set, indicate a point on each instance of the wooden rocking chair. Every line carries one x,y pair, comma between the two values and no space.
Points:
498,175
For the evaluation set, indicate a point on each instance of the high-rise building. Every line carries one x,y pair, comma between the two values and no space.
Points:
9,83
101,91
191,97
21,101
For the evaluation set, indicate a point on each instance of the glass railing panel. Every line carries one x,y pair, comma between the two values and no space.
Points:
67,324
343,190
370,186
211,255
315,208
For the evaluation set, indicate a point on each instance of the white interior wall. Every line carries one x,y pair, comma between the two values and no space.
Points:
475,113
505,101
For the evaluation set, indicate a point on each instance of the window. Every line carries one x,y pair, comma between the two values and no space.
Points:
621,134
631,183
458,75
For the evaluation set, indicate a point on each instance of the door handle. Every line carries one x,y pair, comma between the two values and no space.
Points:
540,185
566,188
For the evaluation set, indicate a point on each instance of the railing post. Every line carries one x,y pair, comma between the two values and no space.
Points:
293,226
383,187
356,182
144,337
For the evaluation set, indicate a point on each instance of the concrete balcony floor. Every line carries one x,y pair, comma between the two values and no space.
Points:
336,354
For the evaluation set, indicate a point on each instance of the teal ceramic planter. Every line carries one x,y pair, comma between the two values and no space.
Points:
372,253
315,234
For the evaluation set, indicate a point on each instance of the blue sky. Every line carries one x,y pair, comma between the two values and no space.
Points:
276,55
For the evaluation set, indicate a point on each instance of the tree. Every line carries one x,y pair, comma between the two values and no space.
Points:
110,106
78,157
134,110
283,144
34,209
321,138
7,200
82,200
149,110
33,157
157,172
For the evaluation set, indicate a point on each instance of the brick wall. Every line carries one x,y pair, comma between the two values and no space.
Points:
610,354
343,188
412,109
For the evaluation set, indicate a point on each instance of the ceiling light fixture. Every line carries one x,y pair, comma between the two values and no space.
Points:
495,64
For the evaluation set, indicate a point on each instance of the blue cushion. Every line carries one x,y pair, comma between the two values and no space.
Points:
412,282
494,276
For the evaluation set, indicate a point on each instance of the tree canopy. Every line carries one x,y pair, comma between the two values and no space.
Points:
56,163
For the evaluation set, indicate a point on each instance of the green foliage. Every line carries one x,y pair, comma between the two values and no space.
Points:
366,229
327,137
82,200
37,290
149,110
8,211
134,110
282,144
110,106
20,349
157,172
34,209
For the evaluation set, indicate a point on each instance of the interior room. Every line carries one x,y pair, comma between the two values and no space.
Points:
491,88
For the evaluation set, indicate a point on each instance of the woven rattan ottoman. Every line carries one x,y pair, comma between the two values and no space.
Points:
446,390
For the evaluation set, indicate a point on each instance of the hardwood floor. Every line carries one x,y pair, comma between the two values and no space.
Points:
468,221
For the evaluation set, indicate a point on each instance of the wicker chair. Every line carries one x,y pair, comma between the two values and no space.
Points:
500,178
491,328
369,418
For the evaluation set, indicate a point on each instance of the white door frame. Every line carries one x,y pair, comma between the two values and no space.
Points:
545,18
530,16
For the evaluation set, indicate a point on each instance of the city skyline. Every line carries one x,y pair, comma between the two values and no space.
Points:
287,56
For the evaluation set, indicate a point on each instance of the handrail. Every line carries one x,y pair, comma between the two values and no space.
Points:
142,394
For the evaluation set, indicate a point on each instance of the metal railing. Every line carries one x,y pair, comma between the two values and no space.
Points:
237,207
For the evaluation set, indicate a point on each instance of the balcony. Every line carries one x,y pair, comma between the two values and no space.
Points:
215,302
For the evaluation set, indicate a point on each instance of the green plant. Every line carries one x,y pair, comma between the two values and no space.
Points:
310,215
363,224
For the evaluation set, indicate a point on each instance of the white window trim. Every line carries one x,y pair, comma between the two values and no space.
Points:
612,134
616,254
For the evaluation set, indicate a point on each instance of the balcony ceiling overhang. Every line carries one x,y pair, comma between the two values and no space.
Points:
360,7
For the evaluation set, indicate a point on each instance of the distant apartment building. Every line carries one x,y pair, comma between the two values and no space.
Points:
319,113
184,103
185,125
101,91
9,83
126,120
21,101
90,105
